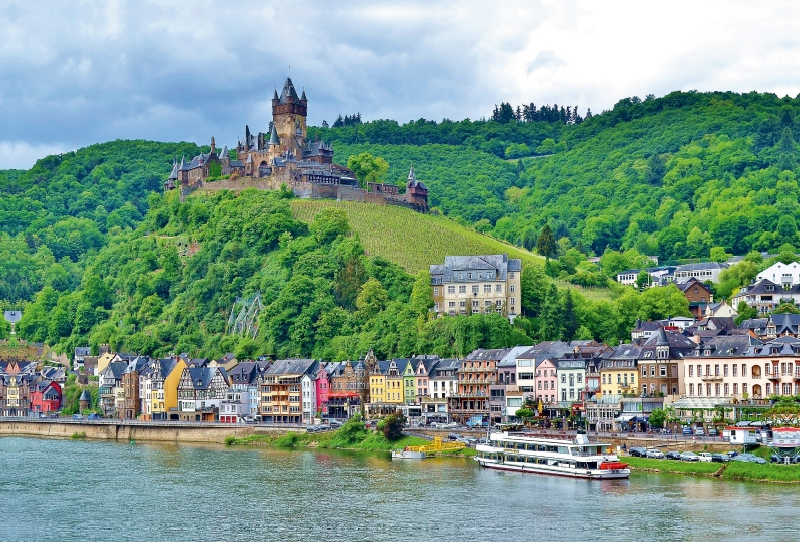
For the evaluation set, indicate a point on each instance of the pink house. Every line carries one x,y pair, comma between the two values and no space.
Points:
323,389
546,382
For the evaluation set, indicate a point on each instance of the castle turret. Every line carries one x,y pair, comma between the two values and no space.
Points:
416,191
289,118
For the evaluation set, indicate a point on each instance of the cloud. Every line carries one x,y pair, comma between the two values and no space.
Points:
76,74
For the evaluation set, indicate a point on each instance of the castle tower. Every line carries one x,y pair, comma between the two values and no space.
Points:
289,113
213,146
416,191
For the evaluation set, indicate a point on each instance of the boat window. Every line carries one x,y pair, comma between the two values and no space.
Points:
530,447
563,450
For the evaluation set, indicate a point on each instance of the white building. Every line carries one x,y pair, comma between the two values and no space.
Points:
308,387
781,274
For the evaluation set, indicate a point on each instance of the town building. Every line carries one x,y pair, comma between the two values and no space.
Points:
477,372
281,400
660,360
765,296
698,295
703,272
785,275
477,285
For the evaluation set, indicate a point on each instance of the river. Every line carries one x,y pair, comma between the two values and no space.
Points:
99,490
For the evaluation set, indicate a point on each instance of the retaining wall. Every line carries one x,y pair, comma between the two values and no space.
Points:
145,431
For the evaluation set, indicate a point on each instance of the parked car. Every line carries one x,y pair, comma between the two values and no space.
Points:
719,458
673,454
687,430
93,416
453,436
731,453
689,456
699,432
655,454
335,423
77,416
713,432
637,451
759,460
665,431
705,457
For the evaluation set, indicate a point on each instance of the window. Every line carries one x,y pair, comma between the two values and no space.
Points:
451,304
767,387
563,378
512,301
436,307
451,289
498,288
725,372
691,370
580,378
462,304
512,288
662,370
735,370
716,390
727,390
469,275
744,388
735,387
487,288
475,289
716,371
744,373
436,291
462,289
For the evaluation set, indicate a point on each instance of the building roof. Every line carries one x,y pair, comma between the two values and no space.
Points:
546,350
292,366
703,266
412,180
82,351
453,265
482,354
725,346
288,92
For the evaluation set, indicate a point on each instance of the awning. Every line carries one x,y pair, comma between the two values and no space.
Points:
625,418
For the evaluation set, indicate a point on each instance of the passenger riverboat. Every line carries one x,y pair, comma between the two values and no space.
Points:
546,454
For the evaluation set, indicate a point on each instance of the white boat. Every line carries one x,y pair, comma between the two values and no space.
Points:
407,454
548,454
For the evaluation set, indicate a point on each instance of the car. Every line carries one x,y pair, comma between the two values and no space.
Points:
453,436
713,432
665,431
705,457
335,423
483,440
77,416
699,432
719,458
93,416
687,430
673,454
759,460
689,456
637,451
731,453
655,454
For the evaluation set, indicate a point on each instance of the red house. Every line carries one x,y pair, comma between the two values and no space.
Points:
45,396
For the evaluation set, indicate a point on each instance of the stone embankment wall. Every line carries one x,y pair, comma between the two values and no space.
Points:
144,431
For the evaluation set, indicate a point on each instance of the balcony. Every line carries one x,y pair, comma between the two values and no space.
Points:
711,378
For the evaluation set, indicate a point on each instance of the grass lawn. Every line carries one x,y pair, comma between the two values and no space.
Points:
668,465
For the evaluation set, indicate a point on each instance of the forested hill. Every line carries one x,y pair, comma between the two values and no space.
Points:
671,176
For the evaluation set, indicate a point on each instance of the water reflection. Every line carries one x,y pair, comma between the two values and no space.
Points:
95,490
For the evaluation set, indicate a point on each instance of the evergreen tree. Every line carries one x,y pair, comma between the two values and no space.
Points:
569,320
546,244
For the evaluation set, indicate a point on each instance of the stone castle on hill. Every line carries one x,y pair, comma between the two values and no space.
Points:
284,156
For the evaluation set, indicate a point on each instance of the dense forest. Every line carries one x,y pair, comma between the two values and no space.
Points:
93,252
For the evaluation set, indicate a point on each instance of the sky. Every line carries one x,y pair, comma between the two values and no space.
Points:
82,72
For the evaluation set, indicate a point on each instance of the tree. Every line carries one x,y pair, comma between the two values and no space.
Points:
546,244
525,413
745,312
392,426
570,321
718,254
655,169
657,417
643,279
373,298
368,168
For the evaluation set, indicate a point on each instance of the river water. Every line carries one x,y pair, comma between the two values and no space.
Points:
99,490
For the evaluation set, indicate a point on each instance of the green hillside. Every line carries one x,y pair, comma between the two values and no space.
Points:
411,240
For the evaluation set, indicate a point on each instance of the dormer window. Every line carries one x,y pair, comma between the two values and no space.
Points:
707,353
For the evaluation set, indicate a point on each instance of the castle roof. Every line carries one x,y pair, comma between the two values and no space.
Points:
273,137
288,92
412,180
174,175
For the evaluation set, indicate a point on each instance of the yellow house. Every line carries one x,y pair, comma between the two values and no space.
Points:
377,382
618,377
394,383
103,361
161,391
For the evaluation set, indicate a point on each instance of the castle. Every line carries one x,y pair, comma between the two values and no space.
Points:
284,156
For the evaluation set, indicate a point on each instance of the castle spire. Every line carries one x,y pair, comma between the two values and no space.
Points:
412,176
273,137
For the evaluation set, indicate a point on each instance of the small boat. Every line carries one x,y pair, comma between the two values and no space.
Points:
405,453
551,454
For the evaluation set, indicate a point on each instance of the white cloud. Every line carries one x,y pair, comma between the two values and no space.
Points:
21,155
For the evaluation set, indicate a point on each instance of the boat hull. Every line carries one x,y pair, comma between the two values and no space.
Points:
398,455
589,474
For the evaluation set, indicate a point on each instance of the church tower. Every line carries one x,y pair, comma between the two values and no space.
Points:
289,113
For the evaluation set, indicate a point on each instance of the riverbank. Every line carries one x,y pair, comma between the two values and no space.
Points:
353,435
733,470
